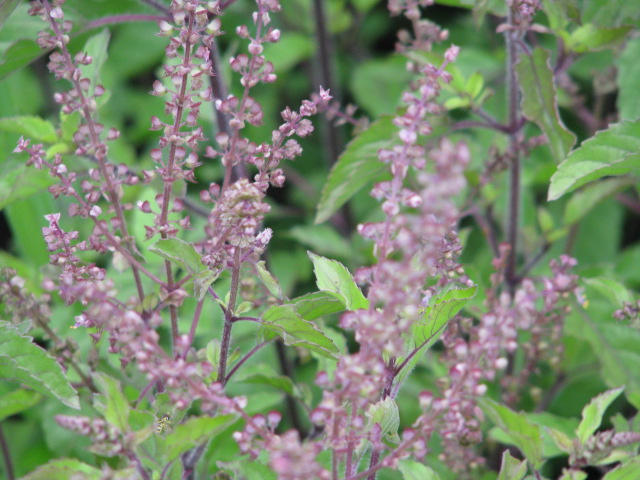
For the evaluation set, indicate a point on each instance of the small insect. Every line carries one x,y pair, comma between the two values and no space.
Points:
163,423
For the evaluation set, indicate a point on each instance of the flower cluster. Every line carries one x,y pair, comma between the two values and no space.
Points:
630,313
90,138
107,439
525,9
191,34
481,351
234,222
239,209
415,247
599,446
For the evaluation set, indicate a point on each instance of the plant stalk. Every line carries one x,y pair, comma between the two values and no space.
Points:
511,40
6,455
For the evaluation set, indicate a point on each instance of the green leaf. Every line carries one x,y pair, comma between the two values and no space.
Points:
442,307
17,401
193,432
19,182
323,239
561,439
283,321
617,347
629,471
545,220
201,283
26,219
326,364
590,38
452,103
96,48
364,6
112,404
614,151
23,361
248,469
512,468
614,291
559,12
69,125
593,412
475,84
628,100
523,434
482,7
292,49
610,13
318,304
332,276
573,475
583,201
377,84
279,382
539,103
19,54
412,470
6,8
179,252
35,128
64,469
357,166
549,425
386,414
269,280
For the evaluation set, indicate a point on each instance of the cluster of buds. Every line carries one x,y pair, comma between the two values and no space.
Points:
235,220
524,9
599,446
629,312
479,351
107,439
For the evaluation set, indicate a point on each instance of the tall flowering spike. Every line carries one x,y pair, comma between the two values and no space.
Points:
235,221
184,86
479,352
415,248
91,139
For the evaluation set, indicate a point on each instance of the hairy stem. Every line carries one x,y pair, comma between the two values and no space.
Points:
194,323
325,76
228,317
118,19
245,358
6,455
511,40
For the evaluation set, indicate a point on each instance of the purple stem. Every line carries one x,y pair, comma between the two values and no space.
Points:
116,19
245,358
194,323
228,318
511,39
6,455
